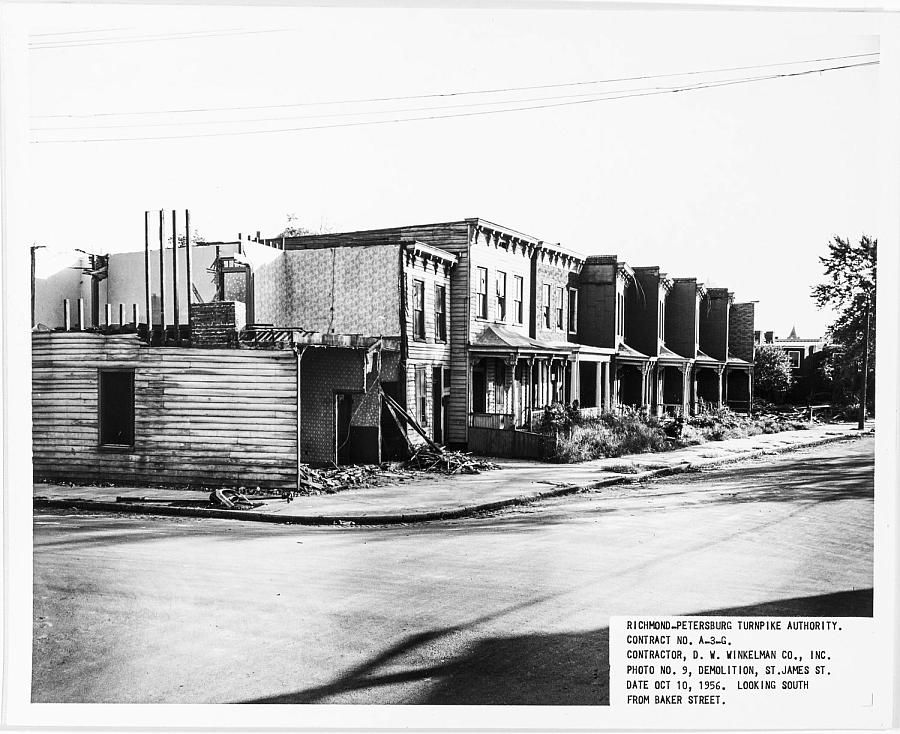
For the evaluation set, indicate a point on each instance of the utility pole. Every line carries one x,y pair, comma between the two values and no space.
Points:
863,390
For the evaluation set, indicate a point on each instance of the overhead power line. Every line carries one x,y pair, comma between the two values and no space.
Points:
363,113
439,95
669,90
405,110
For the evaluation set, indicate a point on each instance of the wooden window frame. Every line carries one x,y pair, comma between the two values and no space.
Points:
518,299
440,312
560,308
501,294
481,304
573,311
421,390
545,305
418,312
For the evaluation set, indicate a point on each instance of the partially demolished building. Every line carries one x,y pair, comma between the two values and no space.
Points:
234,362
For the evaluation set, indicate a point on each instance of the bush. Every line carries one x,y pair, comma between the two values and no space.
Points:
631,431
612,435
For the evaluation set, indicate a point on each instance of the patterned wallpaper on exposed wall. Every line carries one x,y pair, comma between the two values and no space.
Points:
301,287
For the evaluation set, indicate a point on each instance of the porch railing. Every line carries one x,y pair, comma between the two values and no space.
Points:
496,421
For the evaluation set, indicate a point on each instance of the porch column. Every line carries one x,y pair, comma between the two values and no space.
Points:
719,371
614,395
602,390
645,395
694,400
513,389
539,385
660,388
608,384
749,376
563,383
529,390
685,396
575,384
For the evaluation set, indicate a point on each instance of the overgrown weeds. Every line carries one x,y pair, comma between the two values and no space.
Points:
631,431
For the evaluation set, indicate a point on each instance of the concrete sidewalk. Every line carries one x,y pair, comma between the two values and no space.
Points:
448,497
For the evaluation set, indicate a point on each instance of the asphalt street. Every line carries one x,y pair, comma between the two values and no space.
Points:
511,608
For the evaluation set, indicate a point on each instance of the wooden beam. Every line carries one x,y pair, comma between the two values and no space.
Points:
187,253
175,279
147,272
162,280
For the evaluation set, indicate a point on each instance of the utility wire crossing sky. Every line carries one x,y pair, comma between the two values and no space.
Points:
571,99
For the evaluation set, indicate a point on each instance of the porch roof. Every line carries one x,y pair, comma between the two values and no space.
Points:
704,360
667,356
738,363
629,354
500,340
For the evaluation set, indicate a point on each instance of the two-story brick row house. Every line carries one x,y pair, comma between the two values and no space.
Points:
394,288
513,319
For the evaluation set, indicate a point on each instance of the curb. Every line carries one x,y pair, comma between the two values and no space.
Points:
421,517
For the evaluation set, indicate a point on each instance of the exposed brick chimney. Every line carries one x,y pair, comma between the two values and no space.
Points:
215,324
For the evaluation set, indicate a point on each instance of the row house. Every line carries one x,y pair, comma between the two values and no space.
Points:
469,329
670,336
513,323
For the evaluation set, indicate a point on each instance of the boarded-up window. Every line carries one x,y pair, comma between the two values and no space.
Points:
481,304
418,309
116,407
440,313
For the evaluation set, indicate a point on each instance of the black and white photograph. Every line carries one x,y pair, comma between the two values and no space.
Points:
514,357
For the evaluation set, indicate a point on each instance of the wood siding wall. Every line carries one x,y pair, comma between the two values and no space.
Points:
428,352
511,444
202,416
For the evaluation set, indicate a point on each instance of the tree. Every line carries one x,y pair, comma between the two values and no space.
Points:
295,229
849,289
772,375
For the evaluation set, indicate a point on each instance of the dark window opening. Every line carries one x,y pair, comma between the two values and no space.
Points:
117,408
573,310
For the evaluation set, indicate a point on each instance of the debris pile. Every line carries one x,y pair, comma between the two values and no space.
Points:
232,500
327,481
427,458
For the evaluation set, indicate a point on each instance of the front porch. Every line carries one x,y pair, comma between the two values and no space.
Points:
739,385
513,378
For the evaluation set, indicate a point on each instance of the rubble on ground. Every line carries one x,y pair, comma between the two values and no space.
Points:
426,458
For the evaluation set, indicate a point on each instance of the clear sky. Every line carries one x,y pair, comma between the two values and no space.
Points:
741,185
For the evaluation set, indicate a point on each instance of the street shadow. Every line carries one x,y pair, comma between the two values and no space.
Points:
854,603
569,669
564,669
